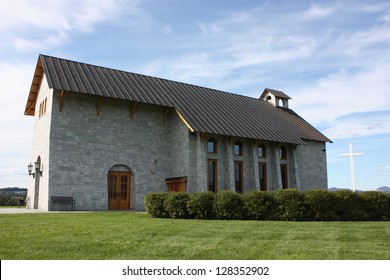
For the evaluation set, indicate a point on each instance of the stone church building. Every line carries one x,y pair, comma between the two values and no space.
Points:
104,138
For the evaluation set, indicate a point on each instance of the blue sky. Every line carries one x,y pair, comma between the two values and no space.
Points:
331,57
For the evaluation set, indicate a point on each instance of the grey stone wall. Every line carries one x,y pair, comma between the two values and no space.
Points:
85,146
306,165
311,160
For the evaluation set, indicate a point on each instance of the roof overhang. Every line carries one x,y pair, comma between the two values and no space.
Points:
34,89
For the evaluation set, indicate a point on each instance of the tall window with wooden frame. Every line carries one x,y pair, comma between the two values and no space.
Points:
261,151
212,146
283,152
284,175
238,176
212,175
238,149
263,176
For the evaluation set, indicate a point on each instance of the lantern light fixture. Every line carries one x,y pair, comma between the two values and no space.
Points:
37,167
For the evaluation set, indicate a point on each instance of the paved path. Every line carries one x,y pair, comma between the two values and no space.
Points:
21,210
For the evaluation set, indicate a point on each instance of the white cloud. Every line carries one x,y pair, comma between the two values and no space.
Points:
359,127
35,25
317,12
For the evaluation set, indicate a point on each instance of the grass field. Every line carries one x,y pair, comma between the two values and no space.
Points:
127,235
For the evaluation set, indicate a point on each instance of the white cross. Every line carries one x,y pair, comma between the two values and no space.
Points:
351,154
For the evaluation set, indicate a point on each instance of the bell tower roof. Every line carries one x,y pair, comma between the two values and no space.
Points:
276,97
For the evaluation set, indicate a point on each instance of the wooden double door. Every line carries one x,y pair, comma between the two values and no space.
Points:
119,190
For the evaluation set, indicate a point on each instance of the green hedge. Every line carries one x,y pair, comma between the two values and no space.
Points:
349,206
321,205
290,205
154,204
176,205
201,205
228,205
260,205
377,205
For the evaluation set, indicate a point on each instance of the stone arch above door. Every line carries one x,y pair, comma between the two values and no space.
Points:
120,168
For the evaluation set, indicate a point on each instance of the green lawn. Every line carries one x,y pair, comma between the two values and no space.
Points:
126,235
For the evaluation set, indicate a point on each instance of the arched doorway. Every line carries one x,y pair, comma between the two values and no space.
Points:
119,182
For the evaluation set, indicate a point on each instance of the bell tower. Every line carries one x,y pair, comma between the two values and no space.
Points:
275,97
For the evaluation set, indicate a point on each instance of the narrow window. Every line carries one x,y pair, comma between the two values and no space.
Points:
238,176
283,171
263,176
40,109
212,146
261,151
44,106
283,152
238,149
212,175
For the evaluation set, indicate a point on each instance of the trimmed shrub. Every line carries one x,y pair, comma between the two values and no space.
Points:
201,205
321,205
176,205
154,204
259,205
376,205
349,206
291,205
228,205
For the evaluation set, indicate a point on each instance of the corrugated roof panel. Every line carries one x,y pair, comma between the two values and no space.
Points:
120,87
84,79
89,80
131,91
51,73
74,77
155,95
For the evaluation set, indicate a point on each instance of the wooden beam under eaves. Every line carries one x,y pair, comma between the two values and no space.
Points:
201,136
165,116
185,122
62,93
99,107
133,108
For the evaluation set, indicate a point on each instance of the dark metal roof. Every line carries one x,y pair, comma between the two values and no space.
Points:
202,109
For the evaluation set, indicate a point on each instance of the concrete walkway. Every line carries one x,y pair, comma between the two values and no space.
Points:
21,210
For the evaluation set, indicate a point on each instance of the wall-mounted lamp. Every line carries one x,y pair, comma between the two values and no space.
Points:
37,167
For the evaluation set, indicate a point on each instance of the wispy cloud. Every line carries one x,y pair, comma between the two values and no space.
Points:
317,11
30,26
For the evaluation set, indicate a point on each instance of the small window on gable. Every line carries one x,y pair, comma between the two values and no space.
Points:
212,146
238,149
261,151
283,152
42,107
